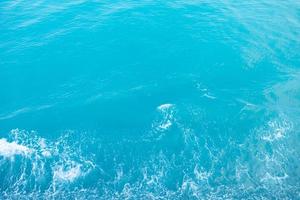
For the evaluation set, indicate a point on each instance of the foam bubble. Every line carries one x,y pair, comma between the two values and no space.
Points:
165,122
44,150
201,174
67,174
9,149
164,106
165,125
277,129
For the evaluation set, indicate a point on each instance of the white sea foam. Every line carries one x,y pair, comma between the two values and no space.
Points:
166,122
164,106
205,91
67,174
165,125
201,174
277,130
41,159
44,150
9,149
272,178
207,95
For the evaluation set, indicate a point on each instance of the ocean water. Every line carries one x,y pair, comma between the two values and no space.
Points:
183,99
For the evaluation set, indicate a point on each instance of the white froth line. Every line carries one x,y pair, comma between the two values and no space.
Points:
209,96
14,113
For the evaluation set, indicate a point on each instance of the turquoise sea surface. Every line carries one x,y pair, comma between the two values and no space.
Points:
182,99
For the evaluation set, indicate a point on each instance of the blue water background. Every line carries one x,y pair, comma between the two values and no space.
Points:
147,99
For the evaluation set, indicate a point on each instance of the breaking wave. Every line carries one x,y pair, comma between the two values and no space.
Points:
197,167
34,167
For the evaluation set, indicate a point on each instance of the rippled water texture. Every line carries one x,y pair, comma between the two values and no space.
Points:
147,99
